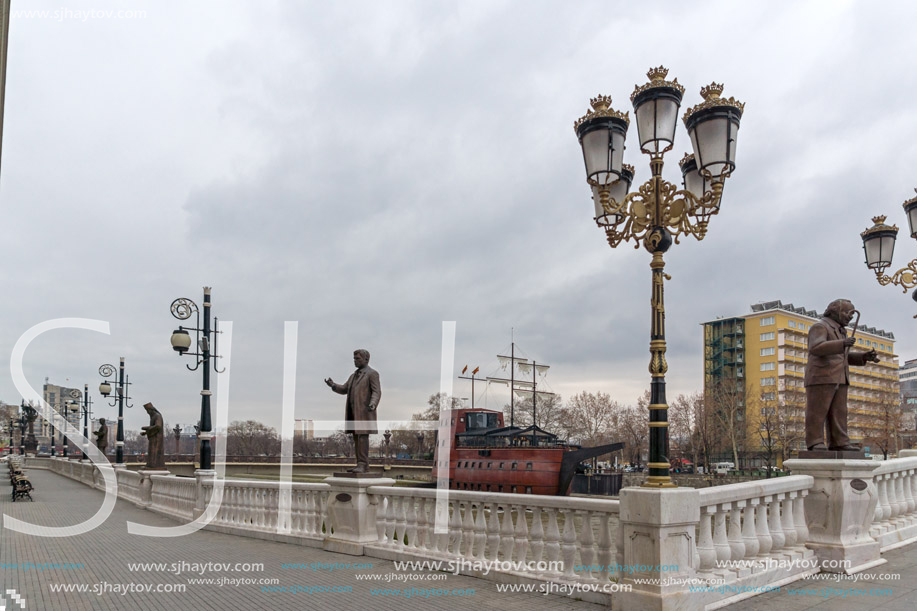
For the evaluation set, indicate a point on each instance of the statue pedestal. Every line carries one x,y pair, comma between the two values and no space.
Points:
833,454
146,485
839,511
352,512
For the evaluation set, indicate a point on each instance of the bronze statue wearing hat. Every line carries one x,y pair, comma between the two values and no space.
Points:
828,377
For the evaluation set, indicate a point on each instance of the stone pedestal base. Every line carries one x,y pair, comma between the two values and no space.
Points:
352,513
839,511
657,529
833,454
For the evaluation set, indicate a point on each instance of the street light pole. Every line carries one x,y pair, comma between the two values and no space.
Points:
87,403
658,213
182,309
108,371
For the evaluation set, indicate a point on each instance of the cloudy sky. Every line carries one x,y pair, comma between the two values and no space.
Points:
371,169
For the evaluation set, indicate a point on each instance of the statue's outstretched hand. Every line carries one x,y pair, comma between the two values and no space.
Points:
329,382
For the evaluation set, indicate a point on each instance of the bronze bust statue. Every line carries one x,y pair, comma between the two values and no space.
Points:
363,393
154,434
102,436
828,377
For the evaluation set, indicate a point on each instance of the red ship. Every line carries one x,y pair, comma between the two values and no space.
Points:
485,455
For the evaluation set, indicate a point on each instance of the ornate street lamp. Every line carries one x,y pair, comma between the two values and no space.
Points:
86,409
108,371
879,247
182,309
659,212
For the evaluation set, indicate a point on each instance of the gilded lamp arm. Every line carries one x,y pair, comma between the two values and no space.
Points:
906,277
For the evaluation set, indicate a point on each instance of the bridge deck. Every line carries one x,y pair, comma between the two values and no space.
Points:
107,552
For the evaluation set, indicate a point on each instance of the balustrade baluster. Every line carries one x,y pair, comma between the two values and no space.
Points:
480,533
900,499
736,543
388,521
569,541
774,524
506,534
536,537
749,533
883,511
720,540
587,546
467,549
765,543
789,527
455,529
604,550
521,535
705,548
422,541
493,531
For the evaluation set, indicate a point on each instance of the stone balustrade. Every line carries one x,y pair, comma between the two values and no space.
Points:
752,521
895,521
128,485
173,496
249,506
545,538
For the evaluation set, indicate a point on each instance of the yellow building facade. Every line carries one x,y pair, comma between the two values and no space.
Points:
762,356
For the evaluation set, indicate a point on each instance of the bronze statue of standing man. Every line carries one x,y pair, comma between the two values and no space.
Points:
828,377
363,393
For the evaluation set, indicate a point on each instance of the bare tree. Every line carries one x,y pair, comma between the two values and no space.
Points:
590,418
726,402
633,427
251,438
683,415
550,414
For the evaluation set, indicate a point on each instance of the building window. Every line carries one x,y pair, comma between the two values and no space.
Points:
767,336
882,346
528,490
768,411
768,366
791,324
768,381
768,351
528,466
767,321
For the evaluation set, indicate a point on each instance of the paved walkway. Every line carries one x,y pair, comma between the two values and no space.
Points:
103,557
890,587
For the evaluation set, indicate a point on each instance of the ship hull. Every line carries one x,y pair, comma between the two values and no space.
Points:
513,470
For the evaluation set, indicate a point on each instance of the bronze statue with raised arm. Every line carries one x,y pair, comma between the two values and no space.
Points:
363,393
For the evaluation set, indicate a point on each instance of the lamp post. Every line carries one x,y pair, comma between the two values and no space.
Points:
879,246
65,420
86,409
182,309
659,212
22,424
108,371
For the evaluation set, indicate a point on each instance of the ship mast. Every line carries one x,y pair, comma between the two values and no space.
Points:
523,365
